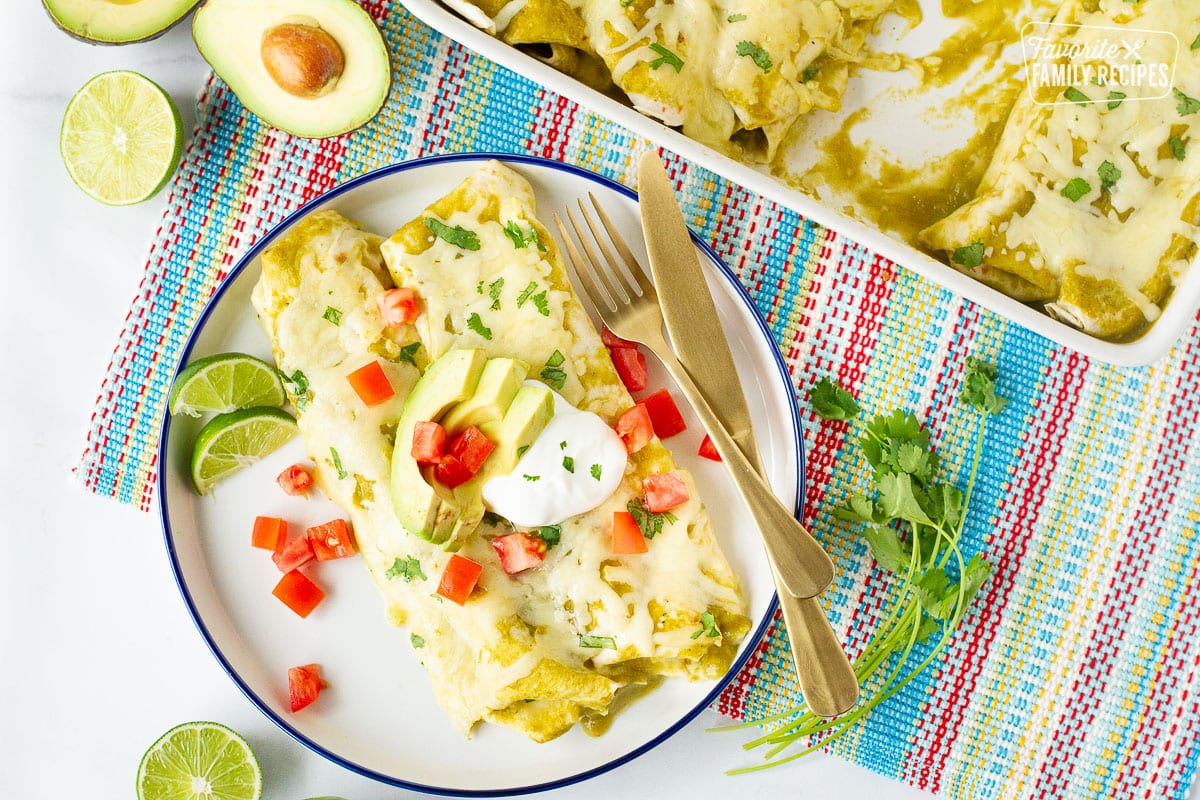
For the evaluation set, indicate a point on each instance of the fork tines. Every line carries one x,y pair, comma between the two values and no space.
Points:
609,281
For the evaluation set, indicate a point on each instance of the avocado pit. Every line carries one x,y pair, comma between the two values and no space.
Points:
303,60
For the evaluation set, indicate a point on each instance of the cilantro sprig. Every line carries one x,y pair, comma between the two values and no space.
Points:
407,568
830,401
456,235
912,523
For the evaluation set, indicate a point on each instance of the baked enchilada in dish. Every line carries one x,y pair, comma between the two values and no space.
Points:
560,617
1089,205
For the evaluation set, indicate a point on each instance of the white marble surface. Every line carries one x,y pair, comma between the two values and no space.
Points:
97,653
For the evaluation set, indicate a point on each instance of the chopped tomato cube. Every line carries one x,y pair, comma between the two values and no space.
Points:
298,593
371,384
664,491
451,472
304,684
635,428
631,367
472,447
612,341
399,306
627,537
296,480
664,414
292,553
459,579
429,442
519,551
708,449
331,540
268,533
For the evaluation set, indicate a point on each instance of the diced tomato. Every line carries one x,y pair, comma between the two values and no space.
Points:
627,538
472,447
519,551
429,442
331,540
459,579
612,341
664,491
269,533
304,684
296,480
371,384
708,449
451,472
664,414
298,593
631,367
635,428
292,553
399,306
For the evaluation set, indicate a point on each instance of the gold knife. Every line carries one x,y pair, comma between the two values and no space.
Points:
825,674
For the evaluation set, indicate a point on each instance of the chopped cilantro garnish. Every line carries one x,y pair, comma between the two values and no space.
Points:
1109,175
556,359
569,464
1178,147
479,288
520,238
1196,42
521,450
332,315
979,386
406,568
476,324
810,72
760,57
417,641
588,640
532,478
970,256
830,401
735,18
1076,96
1187,105
494,289
457,235
596,468
299,384
337,464
708,627
649,522
526,293
1075,189
541,303
550,534
665,56
1115,99
552,373
408,353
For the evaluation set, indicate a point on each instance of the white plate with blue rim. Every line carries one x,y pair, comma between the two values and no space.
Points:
378,716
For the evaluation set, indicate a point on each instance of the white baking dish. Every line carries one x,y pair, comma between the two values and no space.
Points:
1178,315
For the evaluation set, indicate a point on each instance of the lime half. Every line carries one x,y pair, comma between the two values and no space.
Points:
225,382
121,138
202,760
229,442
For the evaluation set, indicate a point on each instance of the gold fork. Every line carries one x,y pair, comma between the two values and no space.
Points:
627,303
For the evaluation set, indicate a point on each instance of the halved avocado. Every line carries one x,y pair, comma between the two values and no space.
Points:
313,68
117,21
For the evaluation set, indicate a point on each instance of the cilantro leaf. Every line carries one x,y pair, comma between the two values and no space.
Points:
665,56
532,478
1178,147
830,401
810,72
408,353
541,303
1186,105
1115,99
979,386
1196,43
898,499
553,373
1075,189
595,470
760,57
299,383
407,568
597,642
1076,96
526,293
476,324
860,508
649,522
494,289
457,235
708,627
1109,175
735,18
417,641
337,464
970,256
332,315
568,464
520,238
887,549
550,534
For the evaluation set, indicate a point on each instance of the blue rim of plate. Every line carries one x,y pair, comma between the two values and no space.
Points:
249,258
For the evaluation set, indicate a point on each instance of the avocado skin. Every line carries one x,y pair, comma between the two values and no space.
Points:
80,37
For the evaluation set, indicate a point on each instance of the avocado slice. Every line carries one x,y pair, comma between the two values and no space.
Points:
531,409
447,381
313,68
114,21
497,387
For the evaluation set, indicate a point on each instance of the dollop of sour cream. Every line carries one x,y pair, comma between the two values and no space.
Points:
574,465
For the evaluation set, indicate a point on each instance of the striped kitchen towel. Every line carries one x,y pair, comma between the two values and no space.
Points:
1076,673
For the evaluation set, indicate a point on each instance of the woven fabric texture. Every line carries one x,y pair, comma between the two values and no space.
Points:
1076,673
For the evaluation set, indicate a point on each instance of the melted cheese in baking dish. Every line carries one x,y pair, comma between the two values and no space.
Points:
513,653
1104,252
733,74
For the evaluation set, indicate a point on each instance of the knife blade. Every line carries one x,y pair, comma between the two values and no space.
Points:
689,312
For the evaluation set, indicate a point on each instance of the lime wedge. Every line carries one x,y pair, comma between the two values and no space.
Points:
121,138
238,439
225,382
202,760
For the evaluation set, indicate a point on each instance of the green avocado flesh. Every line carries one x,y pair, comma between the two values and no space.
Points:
117,21
229,34
464,384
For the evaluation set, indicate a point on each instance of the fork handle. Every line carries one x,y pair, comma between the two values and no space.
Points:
803,567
